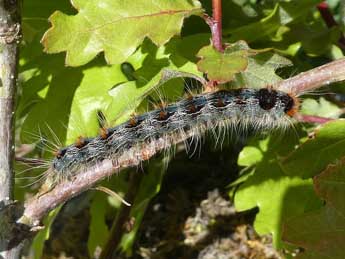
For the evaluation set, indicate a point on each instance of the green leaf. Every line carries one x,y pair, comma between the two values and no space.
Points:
255,31
35,15
321,107
322,232
149,187
252,153
261,70
115,27
168,74
38,242
36,68
72,99
283,14
275,193
99,232
253,68
313,156
316,41
222,67
103,209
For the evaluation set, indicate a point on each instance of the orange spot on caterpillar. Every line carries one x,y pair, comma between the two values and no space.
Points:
104,133
239,101
80,142
220,103
132,122
60,153
291,111
192,108
162,115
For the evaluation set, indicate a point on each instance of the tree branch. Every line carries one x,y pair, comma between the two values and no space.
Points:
10,34
314,78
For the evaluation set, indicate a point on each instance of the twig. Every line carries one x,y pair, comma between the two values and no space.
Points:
217,20
329,20
312,119
326,14
9,39
117,229
215,24
314,78
112,194
32,162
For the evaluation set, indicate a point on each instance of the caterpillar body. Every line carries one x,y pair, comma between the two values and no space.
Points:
132,141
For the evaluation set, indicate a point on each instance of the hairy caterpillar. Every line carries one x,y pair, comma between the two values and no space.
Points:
264,109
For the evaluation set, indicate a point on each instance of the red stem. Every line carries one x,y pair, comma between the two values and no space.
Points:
312,119
217,22
326,14
330,21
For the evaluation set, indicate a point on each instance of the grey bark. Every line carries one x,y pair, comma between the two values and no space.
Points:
9,41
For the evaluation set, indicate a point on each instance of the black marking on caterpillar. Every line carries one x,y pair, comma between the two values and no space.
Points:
264,109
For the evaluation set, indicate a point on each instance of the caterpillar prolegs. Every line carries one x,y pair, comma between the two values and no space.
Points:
133,140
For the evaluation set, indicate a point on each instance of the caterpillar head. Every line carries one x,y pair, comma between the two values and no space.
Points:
269,98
